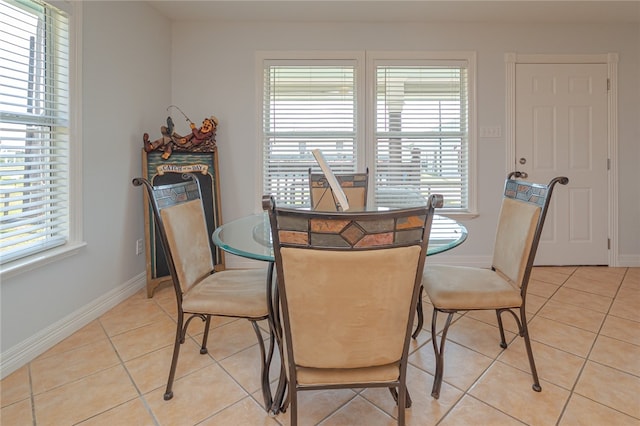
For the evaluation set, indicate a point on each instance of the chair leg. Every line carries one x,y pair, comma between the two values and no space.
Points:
293,400
420,314
285,399
280,400
207,324
439,352
503,340
269,359
524,332
403,402
394,394
264,370
272,345
168,393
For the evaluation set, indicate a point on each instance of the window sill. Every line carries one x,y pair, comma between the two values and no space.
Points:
38,260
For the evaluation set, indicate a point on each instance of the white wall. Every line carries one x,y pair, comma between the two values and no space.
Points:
136,64
127,65
213,71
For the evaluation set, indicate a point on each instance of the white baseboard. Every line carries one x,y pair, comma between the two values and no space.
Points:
27,350
629,261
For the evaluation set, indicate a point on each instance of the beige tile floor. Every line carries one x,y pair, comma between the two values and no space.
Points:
585,324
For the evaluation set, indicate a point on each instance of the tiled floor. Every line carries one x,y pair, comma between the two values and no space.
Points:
585,326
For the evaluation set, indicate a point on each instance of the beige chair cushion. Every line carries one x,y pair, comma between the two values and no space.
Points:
464,288
516,228
188,238
336,322
238,293
336,376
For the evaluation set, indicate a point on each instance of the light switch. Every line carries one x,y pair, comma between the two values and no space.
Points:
490,131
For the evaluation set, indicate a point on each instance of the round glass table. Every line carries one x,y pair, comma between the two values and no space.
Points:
250,236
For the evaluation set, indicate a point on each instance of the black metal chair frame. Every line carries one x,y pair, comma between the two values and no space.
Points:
354,180
163,196
285,220
526,192
346,181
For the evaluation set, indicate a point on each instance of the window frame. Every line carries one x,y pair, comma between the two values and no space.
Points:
74,241
263,57
366,101
437,58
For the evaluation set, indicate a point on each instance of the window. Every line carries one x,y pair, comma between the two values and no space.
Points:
413,132
307,105
35,130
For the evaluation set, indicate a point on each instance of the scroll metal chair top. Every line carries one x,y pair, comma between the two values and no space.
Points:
503,287
200,291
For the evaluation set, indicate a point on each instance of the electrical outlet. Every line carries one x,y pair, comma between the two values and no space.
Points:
139,247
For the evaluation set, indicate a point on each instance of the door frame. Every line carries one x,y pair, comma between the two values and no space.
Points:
611,60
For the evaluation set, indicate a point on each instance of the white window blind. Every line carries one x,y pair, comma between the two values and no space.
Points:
411,130
34,128
306,106
421,136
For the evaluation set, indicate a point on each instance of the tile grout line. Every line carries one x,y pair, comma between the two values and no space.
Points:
215,361
33,398
584,362
562,413
495,360
135,385
587,359
588,355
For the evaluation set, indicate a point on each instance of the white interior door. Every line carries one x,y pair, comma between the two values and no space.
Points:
561,129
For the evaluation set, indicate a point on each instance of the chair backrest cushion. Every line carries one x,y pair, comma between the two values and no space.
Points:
349,309
514,238
188,241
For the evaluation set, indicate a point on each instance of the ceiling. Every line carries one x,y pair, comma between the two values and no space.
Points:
504,11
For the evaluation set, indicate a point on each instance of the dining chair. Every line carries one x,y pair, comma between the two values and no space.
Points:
200,291
348,287
354,185
503,287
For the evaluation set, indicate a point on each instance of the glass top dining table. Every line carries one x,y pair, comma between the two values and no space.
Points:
250,236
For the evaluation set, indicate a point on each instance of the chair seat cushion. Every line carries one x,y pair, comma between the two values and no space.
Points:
462,288
237,293
336,376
